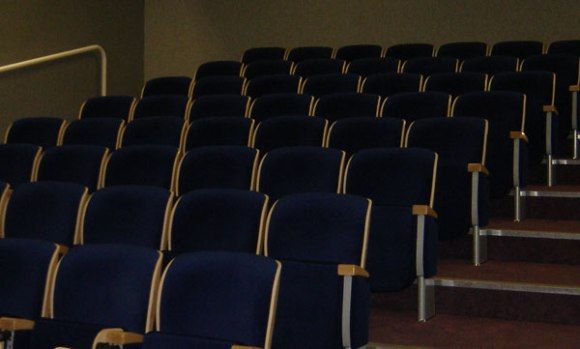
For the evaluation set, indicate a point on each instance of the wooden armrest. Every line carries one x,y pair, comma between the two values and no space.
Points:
474,167
61,249
352,270
550,109
116,336
13,324
574,88
424,210
519,135
235,346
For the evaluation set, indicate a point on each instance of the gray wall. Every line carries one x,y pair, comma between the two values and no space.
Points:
32,28
181,34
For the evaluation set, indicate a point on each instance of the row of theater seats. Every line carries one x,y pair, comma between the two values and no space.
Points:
309,289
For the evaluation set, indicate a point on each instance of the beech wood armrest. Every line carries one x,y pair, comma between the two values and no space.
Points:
13,324
519,135
475,167
424,210
352,270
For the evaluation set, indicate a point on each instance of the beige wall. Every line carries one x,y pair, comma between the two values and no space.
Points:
181,34
32,28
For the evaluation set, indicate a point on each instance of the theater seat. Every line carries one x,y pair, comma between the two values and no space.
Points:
347,105
385,85
408,51
160,130
282,104
430,65
155,106
518,49
102,132
45,132
264,85
218,85
219,131
219,105
287,131
321,85
355,134
261,53
108,107
267,67
299,54
418,105
462,50
218,68
490,65
18,163
311,67
570,47
370,66
167,85
456,84
351,52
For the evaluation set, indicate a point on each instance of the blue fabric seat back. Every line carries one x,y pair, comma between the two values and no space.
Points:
229,167
518,49
218,85
264,85
261,53
219,131
218,220
24,266
102,132
430,65
81,164
354,134
106,285
417,105
321,85
321,66
370,66
157,130
151,165
44,211
294,170
195,303
570,47
174,106
267,67
218,68
408,51
458,142
385,85
219,105
462,50
17,162
273,105
351,52
107,107
167,85
490,65
456,84
299,54
290,131
504,111
347,105
126,215
42,131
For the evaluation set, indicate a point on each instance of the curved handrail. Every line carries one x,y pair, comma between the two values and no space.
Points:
65,54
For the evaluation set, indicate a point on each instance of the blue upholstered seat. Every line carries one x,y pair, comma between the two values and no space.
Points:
490,65
17,162
385,85
218,85
157,130
199,310
456,84
217,167
417,105
291,170
261,53
218,68
321,85
347,105
430,65
351,52
219,131
273,105
107,107
370,66
102,132
167,85
288,131
42,131
130,215
299,54
82,164
264,85
321,66
408,51
175,106
218,220
354,134
462,50
570,47
312,234
219,105
518,49
267,67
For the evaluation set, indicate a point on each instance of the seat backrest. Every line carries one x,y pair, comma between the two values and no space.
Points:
45,211
351,52
175,106
219,131
370,66
408,51
231,167
299,54
571,47
218,220
490,65
127,215
273,105
321,66
103,132
157,130
321,85
152,165
45,132
346,105
518,49
261,53
18,162
430,65
456,84
195,306
167,85
218,68
82,164
389,84
107,285
108,107
294,170
218,85
219,105
264,85
462,50
267,67
289,131
355,134
417,105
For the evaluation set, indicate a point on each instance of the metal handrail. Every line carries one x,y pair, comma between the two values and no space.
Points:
65,54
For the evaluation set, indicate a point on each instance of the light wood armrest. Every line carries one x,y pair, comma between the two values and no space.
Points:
519,135
13,324
574,88
235,346
352,270
550,109
474,167
61,249
116,336
424,210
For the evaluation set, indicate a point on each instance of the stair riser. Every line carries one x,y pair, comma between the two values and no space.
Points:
539,207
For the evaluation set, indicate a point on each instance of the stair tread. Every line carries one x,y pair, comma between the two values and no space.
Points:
555,188
560,275
539,225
